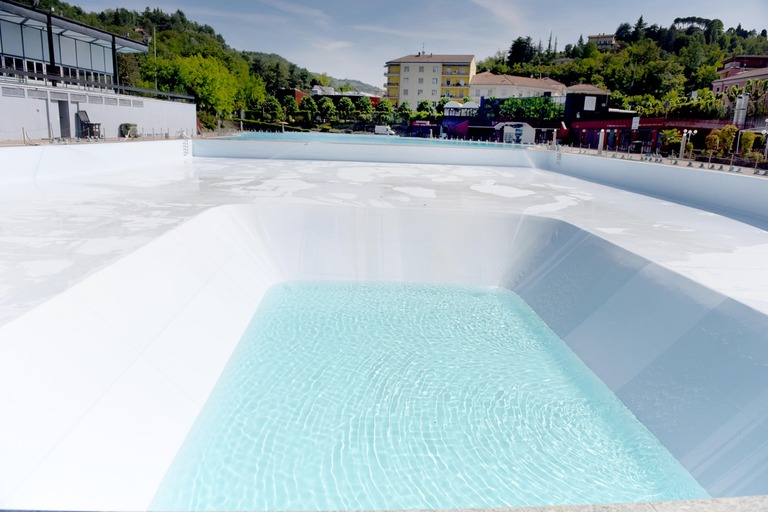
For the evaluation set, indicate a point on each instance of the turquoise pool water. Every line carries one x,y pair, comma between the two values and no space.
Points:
357,396
352,138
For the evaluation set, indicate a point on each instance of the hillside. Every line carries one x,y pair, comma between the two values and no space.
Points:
652,69
178,37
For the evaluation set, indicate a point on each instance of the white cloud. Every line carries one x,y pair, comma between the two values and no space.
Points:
504,12
303,11
331,46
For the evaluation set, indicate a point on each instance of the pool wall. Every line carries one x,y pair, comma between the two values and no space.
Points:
736,195
67,161
103,381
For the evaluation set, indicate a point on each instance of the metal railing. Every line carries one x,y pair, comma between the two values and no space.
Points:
20,76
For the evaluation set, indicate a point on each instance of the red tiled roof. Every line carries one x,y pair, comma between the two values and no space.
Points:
488,78
745,75
587,89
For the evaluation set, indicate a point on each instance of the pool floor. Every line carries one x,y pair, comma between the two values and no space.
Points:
376,396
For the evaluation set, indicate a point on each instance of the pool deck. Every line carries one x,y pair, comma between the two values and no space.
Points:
58,227
745,504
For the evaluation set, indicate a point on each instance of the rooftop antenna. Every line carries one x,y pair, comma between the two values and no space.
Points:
422,49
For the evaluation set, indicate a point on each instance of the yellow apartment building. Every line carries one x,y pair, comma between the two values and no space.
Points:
426,76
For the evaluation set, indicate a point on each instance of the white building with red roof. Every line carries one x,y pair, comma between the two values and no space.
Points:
488,85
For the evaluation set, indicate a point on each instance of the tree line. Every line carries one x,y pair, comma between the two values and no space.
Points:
652,69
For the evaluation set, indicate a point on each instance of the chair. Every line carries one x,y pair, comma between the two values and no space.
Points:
87,128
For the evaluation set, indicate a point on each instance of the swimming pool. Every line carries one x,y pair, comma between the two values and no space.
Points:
361,138
397,396
665,303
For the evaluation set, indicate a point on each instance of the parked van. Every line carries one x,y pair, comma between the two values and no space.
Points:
383,130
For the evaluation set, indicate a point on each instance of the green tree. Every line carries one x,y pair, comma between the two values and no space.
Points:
713,143
624,32
290,107
535,108
404,112
326,109
589,51
426,107
209,81
747,142
308,107
345,109
638,31
727,135
384,112
714,31
364,109
521,50
273,112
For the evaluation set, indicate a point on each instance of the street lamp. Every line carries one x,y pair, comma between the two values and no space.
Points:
686,135
600,141
765,140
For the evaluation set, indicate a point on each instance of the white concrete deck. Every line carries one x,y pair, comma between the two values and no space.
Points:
127,276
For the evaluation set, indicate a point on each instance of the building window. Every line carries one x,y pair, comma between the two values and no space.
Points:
434,92
434,69
420,92
434,81
718,89
448,81
405,80
406,69
421,80
490,93
421,69
405,92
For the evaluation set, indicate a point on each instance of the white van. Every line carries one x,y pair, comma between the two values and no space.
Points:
383,130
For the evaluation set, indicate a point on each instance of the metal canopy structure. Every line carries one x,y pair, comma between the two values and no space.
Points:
42,20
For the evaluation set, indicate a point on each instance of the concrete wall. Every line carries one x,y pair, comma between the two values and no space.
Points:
36,111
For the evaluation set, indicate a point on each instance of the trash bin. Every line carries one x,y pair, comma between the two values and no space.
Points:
128,130
637,146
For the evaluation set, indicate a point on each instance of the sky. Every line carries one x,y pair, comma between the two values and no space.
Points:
353,39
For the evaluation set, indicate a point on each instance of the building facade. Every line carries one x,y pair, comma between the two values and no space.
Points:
723,85
603,41
423,76
54,70
488,85
742,63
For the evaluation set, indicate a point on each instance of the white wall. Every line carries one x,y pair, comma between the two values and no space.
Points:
63,162
729,194
22,109
740,196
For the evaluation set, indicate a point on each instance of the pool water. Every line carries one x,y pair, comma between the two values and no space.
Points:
361,138
361,396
